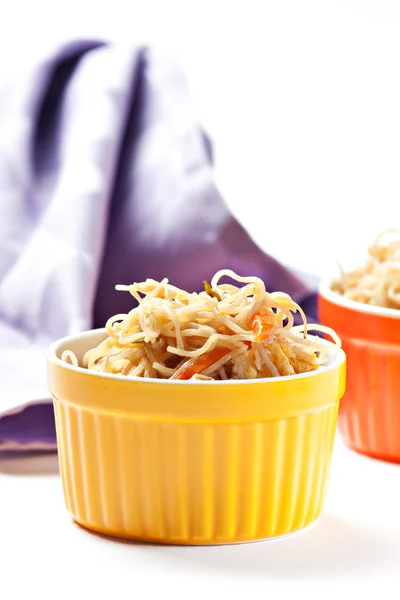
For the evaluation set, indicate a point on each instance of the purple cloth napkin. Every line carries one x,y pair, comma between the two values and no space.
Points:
105,178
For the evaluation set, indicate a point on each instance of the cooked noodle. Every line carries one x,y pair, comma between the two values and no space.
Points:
225,332
377,282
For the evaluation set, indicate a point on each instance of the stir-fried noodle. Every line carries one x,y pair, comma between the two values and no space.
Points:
224,332
377,282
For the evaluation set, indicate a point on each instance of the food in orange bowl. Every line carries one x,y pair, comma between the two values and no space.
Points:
197,418
363,308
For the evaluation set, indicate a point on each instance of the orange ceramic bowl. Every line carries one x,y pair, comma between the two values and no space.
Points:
193,462
369,417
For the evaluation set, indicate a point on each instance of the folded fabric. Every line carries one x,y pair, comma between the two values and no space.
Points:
105,178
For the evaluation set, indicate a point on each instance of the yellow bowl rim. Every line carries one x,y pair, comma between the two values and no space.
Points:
52,357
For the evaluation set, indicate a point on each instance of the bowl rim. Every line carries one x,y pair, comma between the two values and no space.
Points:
51,356
325,290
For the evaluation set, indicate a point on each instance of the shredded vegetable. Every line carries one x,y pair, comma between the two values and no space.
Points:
228,331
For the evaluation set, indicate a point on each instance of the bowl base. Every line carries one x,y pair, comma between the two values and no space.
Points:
376,455
186,542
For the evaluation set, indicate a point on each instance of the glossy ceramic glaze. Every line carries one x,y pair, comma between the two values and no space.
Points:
369,417
193,462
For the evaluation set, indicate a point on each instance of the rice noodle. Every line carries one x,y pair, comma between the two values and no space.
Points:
377,281
226,332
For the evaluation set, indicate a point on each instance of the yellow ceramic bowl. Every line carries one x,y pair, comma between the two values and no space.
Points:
193,462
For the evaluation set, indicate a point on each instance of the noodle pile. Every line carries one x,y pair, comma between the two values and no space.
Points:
225,332
377,282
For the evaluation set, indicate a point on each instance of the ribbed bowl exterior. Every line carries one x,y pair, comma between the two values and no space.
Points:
191,483
193,462
369,418
369,415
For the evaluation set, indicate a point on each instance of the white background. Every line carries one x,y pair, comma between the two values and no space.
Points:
301,98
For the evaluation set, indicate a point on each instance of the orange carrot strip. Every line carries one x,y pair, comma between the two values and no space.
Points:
262,325
202,362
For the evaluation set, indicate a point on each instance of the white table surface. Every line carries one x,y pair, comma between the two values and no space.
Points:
354,547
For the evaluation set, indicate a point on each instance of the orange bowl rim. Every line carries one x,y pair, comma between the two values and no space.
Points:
325,290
